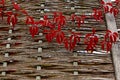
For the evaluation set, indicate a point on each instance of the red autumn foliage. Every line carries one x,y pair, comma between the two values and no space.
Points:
66,43
73,40
109,39
108,7
60,36
78,19
91,40
33,29
117,2
114,11
16,6
98,14
106,45
46,22
111,36
72,17
12,18
60,19
2,2
24,12
29,20
1,13
50,35
55,14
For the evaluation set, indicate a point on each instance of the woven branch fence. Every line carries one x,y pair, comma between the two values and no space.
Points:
25,58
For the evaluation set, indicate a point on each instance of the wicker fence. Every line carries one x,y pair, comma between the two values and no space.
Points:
25,58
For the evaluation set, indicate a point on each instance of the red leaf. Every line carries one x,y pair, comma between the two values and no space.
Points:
50,35
110,4
106,9
1,13
29,20
108,46
74,38
9,13
115,33
97,14
89,48
54,16
16,6
72,17
116,11
60,20
51,25
117,2
78,19
60,37
66,43
24,12
113,37
12,20
83,18
91,40
102,2
2,2
45,31
33,30
45,17
111,10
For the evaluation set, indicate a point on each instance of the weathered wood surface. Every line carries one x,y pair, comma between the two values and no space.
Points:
55,61
116,47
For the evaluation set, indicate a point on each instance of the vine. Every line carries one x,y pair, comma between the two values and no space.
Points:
59,20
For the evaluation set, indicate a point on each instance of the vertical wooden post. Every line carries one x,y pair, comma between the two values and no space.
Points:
75,63
39,58
3,73
111,24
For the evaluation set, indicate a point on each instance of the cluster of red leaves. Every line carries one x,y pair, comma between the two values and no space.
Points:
58,34
12,19
2,2
117,2
91,40
11,16
46,22
109,8
109,38
78,19
33,30
98,15
59,20
73,40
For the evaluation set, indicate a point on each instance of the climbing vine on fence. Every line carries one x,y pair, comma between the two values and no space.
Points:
54,25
